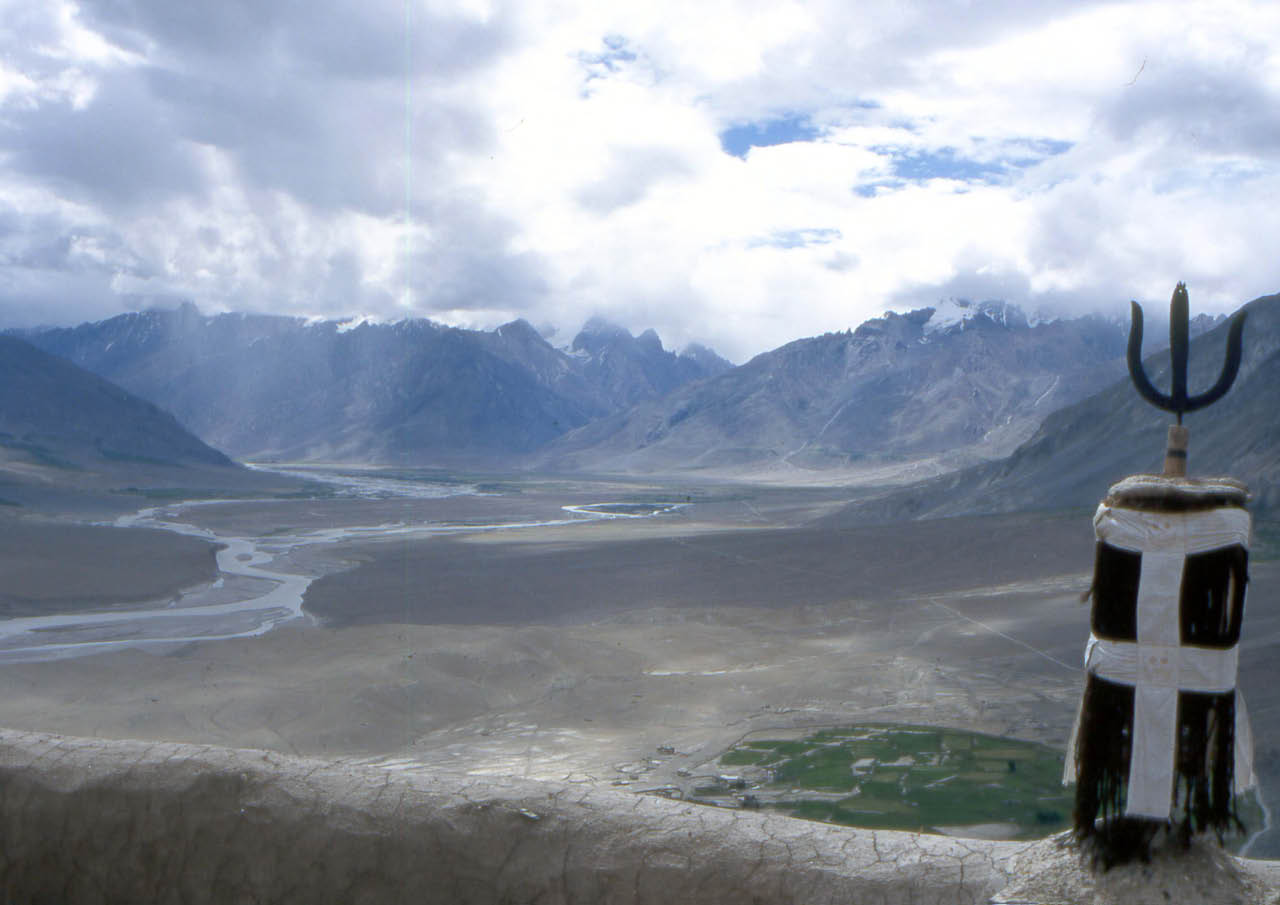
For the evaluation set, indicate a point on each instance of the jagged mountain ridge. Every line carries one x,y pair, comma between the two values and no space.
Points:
899,387
630,370
1083,448
271,387
52,411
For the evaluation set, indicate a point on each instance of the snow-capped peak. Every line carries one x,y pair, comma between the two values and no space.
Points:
358,320
951,313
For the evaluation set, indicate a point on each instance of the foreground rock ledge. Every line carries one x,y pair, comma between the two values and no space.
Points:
85,820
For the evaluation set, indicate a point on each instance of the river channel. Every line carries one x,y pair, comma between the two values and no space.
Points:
259,585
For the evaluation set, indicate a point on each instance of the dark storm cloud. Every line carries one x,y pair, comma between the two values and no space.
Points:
308,99
346,106
1209,108
28,28
31,242
355,40
119,150
44,243
340,144
469,265
50,272
49,298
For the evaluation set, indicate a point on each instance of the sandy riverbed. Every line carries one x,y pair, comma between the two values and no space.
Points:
49,566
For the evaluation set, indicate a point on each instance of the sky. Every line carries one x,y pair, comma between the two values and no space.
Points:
738,174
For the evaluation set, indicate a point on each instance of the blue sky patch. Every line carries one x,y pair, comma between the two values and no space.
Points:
871,189
944,163
797,238
616,53
738,140
914,165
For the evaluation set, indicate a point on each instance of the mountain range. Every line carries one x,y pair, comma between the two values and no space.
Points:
1044,408
279,388
1082,448
960,384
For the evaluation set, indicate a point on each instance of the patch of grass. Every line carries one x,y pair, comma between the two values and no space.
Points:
912,778
919,779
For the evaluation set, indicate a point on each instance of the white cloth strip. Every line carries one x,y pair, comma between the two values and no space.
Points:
1171,532
1151,761
1160,597
1187,668
1155,706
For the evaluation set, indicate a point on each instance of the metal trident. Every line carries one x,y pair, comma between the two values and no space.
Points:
1177,400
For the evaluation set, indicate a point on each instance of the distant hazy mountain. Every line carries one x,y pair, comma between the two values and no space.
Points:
53,412
966,382
267,387
1080,450
628,370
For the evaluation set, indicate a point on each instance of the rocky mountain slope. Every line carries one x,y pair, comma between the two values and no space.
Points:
1083,448
55,413
961,383
629,370
266,387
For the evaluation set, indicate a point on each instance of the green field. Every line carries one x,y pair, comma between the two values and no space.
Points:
918,778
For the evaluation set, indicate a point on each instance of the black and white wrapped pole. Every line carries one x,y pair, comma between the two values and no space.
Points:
1162,740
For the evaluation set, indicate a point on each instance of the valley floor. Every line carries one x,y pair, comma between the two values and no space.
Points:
627,651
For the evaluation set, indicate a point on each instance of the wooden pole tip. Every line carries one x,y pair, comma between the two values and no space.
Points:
1175,453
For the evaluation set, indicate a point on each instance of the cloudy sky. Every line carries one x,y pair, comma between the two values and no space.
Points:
732,172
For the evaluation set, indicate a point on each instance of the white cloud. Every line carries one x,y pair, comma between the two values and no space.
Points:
554,159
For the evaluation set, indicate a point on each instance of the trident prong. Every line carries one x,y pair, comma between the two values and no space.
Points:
1177,400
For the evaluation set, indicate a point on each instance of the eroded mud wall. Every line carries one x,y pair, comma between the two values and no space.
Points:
104,821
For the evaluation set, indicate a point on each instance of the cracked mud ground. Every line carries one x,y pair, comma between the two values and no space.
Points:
90,821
